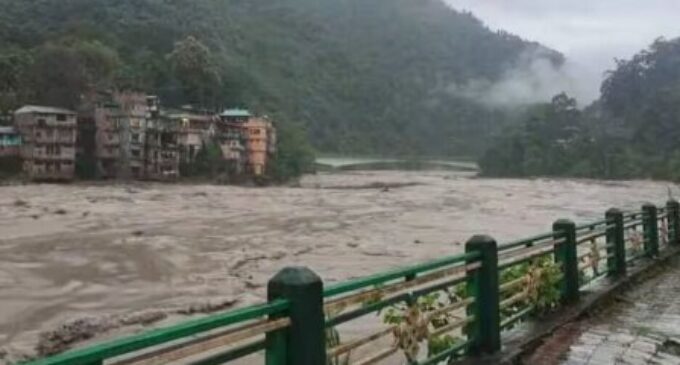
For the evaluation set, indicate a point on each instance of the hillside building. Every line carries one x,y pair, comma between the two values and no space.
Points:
260,137
48,138
194,130
133,140
232,138
161,152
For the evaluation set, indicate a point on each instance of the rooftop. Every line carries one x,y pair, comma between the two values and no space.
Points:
31,109
235,113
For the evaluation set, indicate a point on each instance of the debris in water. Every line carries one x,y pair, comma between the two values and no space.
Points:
374,185
208,307
20,203
61,339
143,318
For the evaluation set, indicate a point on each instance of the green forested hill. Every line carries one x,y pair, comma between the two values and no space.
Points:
364,76
632,131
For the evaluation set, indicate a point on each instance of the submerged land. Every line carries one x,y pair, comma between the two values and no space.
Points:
89,262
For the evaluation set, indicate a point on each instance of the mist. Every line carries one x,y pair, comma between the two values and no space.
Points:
536,79
590,34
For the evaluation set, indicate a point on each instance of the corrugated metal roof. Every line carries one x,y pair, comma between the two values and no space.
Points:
30,109
235,113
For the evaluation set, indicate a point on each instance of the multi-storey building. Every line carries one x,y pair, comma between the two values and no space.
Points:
247,140
48,150
161,147
133,113
232,137
108,119
194,130
260,136
133,140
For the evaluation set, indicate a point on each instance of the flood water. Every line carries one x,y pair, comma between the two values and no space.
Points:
116,257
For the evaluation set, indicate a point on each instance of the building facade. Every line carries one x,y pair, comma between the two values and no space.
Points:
260,136
48,146
194,130
10,142
232,138
161,148
133,139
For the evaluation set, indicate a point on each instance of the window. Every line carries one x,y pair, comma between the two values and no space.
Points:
61,117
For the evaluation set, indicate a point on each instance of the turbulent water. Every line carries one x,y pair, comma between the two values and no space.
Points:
114,258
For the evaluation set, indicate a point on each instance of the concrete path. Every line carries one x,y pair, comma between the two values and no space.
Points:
643,327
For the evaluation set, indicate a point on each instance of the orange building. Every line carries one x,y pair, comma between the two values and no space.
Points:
260,139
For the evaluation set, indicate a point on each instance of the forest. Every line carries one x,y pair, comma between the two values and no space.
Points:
352,76
632,131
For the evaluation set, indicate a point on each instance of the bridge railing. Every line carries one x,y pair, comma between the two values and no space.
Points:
428,313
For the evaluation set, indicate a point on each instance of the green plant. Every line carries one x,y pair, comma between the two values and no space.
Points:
542,278
414,320
333,340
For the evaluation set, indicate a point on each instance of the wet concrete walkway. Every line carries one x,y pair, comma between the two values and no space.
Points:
642,327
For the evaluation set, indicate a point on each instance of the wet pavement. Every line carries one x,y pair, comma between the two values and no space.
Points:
642,327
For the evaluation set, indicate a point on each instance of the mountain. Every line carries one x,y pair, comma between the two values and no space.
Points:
631,132
362,76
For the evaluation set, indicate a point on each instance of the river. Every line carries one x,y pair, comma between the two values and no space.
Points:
114,257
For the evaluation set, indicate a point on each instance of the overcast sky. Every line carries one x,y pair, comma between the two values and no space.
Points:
591,33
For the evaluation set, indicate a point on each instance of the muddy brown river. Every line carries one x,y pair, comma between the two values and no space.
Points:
115,258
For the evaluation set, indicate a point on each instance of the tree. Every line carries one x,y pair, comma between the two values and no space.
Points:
194,65
294,155
209,160
65,71
14,63
552,141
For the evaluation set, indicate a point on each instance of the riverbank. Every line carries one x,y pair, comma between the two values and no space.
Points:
111,259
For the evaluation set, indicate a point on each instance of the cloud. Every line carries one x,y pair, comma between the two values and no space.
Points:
590,33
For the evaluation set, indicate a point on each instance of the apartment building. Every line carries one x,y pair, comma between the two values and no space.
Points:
48,138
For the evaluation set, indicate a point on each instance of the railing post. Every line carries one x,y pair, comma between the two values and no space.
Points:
567,258
673,211
482,285
650,227
616,243
305,342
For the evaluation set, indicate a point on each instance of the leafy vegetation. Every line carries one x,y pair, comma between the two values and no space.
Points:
633,131
294,156
542,283
358,76
417,317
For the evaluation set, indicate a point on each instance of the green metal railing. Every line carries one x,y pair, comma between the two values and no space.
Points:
430,313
